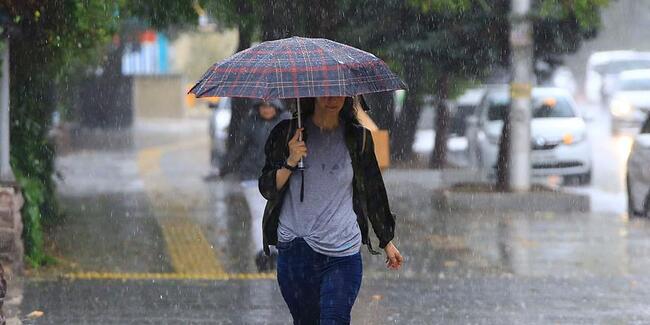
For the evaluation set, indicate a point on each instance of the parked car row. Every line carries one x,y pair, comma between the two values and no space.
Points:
559,140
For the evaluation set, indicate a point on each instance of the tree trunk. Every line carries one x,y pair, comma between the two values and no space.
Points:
439,155
403,134
503,158
382,109
240,107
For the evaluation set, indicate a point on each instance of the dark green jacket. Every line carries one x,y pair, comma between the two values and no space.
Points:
370,201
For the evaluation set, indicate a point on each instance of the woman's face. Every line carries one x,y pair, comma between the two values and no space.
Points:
267,111
331,105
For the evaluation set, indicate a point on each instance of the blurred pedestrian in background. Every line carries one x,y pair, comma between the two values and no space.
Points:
246,159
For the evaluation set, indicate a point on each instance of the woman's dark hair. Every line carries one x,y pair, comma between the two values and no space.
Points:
348,113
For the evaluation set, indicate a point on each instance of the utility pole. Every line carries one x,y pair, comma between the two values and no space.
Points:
6,174
521,45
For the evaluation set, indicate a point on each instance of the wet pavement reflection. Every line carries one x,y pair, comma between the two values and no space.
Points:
146,241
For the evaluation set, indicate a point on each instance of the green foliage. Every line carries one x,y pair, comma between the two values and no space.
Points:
49,40
267,20
561,26
447,5
243,14
463,38
32,160
35,197
160,13
585,12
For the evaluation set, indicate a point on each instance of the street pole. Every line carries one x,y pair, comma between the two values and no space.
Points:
6,174
521,45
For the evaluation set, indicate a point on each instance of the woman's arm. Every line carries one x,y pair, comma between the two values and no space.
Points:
297,150
274,177
379,214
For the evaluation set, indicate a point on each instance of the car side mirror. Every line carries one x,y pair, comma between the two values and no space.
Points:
643,140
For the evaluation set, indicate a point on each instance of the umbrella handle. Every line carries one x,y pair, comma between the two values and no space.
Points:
301,164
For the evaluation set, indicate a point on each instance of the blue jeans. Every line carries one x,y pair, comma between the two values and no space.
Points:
317,288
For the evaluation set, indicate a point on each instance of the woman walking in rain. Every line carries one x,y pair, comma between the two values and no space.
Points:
318,217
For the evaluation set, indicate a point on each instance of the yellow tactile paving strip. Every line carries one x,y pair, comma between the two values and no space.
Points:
168,276
189,250
191,254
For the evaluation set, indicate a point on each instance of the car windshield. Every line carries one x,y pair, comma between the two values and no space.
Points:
544,106
615,67
635,84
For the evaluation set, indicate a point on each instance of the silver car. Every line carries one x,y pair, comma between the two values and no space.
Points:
603,69
638,173
631,100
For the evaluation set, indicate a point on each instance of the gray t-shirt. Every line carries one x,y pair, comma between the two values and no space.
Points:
325,219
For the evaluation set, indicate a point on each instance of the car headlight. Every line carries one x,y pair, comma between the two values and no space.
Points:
574,138
620,108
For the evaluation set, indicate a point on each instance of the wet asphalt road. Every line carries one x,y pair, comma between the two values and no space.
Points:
146,241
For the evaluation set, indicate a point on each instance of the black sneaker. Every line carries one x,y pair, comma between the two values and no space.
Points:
266,263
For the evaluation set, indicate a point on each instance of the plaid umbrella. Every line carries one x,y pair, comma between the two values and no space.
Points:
297,67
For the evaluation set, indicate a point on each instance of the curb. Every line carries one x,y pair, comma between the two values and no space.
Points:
528,202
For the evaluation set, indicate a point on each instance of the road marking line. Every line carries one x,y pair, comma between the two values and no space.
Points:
213,276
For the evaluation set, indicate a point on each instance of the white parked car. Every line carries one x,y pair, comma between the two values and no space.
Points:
559,136
638,173
631,100
218,128
603,69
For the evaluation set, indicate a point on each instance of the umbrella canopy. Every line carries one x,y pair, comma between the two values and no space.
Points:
298,67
